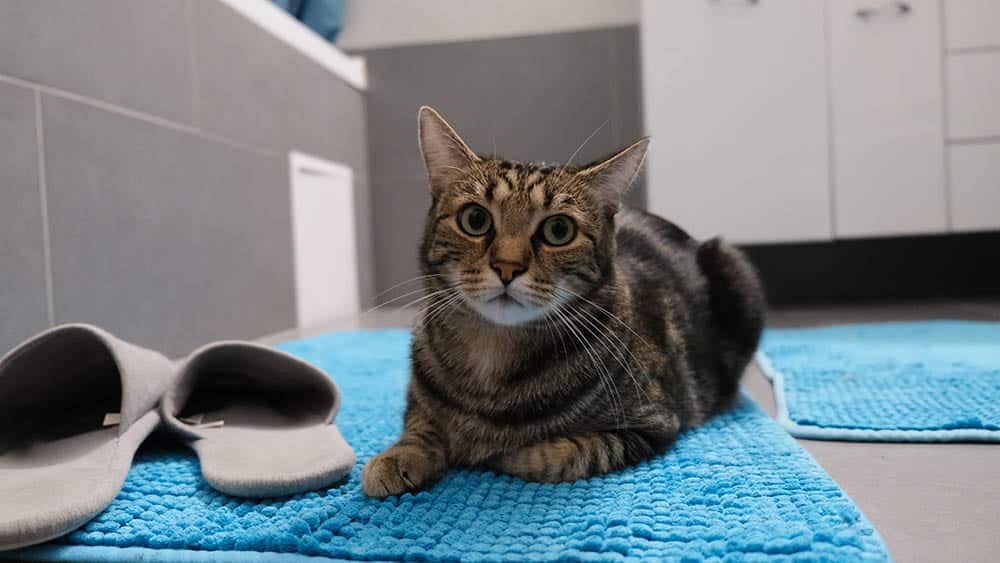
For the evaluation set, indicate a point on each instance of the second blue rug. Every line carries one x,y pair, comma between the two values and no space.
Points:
920,382
737,489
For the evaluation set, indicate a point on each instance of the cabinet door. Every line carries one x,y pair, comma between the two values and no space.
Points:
972,24
736,102
888,134
975,187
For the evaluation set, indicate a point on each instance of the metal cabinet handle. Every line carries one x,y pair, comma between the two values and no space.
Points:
751,2
896,8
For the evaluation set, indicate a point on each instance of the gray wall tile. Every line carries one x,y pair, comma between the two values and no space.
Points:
533,98
346,125
348,137
23,308
627,93
365,241
163,237
258,90
134,53
399,208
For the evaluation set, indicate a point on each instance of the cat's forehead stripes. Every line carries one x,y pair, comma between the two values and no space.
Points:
536,181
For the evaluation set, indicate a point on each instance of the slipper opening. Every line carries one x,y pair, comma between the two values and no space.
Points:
56,388
244,386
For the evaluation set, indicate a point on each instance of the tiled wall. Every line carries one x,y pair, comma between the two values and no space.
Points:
532,98
143,168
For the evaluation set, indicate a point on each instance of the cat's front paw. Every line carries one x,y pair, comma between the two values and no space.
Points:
400,469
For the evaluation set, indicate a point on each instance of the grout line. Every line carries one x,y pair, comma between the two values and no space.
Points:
945,123
972,50
616,133
139,116
44,198
365,50
99,104
992,140
831,152
192,39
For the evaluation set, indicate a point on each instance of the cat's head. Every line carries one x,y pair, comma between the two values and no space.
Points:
515,240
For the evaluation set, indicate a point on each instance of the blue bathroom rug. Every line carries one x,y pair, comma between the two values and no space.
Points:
738,489
902,382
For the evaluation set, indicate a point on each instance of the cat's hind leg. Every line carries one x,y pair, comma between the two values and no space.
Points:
584,455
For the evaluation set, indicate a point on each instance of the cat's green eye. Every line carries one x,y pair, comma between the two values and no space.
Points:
558,230
475,220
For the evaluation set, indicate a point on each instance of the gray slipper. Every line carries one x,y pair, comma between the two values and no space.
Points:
75,403
259,420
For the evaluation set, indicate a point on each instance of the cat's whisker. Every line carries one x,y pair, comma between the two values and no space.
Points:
615,335
605,311
394,300
602,371
554,330
601,331
616,395
621,342
597,371
562,169
404,282
446,303
584,143
411,303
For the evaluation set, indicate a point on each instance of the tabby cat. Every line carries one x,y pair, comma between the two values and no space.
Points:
563,336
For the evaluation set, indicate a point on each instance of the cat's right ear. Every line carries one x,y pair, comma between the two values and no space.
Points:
445,153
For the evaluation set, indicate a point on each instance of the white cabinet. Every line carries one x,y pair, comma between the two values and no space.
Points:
975,187
887,117
736,102
972,86
974,95
797,120
972,24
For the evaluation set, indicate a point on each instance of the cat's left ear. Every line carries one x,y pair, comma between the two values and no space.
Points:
612,176
445,153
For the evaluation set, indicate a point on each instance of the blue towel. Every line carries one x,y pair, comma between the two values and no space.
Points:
926,381
322,16
737,489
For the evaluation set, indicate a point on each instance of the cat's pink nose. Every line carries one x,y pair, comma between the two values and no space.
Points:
507,270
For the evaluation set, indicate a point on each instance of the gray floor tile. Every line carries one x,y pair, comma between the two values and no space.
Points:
791,317
23,307
128,52
931,502
374,320
161,236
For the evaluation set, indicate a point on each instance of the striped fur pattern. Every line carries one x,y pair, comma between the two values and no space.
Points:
560,362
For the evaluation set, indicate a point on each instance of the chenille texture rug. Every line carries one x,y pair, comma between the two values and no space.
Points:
920,382
737,489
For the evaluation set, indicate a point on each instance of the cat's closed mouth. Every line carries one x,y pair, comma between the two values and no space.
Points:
505,299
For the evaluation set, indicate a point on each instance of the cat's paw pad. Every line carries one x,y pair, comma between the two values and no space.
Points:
397,471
